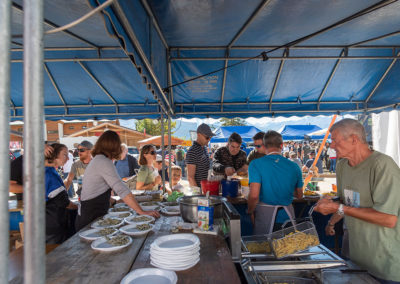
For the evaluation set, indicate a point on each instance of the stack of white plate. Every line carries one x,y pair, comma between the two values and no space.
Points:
175,252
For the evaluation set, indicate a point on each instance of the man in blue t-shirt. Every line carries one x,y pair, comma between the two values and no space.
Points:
310,161
274,180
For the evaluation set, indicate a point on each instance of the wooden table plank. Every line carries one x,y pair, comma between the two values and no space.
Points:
16,263
215,265
76,262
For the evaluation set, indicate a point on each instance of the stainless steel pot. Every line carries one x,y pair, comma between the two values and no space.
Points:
188,206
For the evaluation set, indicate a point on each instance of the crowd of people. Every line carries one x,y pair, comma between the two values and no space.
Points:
367,183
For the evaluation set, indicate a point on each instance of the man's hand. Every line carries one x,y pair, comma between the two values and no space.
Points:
330,230
326,206
229,171
155,214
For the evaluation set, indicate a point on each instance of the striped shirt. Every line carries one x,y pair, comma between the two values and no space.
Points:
198,156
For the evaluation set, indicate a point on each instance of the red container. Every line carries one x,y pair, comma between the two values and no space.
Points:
211,186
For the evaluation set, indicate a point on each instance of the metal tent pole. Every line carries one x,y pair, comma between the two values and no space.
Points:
34,243
169,151
5,45
162,150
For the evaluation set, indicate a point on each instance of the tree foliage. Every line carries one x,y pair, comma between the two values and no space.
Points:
233,121
153,126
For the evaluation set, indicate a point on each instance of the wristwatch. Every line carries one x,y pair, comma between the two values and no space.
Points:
340,210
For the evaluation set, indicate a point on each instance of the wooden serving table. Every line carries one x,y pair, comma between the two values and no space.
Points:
215,265
75,261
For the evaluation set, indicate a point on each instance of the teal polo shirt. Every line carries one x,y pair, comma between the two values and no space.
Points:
278,176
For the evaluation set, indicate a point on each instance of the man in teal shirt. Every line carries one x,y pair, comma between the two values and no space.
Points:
369,189
274,180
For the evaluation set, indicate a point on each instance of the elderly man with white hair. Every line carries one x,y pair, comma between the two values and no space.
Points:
127,164
369,189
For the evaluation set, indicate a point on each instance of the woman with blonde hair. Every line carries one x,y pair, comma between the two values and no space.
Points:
147,177
100,178
57,199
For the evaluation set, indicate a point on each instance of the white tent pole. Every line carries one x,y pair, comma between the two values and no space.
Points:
34,202
5,39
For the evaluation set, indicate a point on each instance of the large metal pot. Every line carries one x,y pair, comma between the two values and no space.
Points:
188,206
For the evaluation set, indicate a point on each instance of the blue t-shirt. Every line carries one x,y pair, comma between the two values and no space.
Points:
278,176
309,163
54,183
122,167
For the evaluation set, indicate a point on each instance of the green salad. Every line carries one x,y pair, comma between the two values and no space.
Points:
174,196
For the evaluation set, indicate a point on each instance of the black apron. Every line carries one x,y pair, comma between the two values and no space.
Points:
92,209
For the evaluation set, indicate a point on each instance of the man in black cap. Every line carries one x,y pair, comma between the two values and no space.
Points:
197,159
78,167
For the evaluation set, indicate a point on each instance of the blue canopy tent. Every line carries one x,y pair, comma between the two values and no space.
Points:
195,58
297,132
296,58
246,132
318,135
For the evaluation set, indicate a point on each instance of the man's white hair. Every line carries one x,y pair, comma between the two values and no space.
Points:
124,146
350,126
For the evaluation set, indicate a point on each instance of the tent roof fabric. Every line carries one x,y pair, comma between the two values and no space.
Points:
319,59
297,132
246,132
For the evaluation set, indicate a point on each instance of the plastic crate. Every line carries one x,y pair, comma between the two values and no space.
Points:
294,239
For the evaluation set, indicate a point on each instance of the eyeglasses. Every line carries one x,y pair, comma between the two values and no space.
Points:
257,146
82,150
152,152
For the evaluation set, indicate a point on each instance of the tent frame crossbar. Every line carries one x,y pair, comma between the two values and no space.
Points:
286,58
382,79
93,77
164,104
330,78
53,25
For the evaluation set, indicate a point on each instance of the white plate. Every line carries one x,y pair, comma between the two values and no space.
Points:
111,210
176,242
168,211
150,207
150,275
91,235
130,220
175,260
96,225
116,215
171,267
102,245
172,263
177,253
170,204
119,205
132,231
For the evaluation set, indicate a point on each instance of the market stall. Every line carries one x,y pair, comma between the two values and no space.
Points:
88,74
